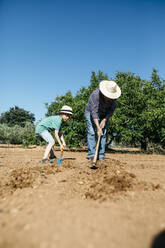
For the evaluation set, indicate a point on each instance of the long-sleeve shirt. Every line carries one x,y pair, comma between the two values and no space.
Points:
99,106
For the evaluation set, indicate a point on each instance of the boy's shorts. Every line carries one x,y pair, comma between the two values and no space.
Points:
47,136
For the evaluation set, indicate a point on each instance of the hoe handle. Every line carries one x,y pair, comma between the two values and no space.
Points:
62,151
60,157
97,148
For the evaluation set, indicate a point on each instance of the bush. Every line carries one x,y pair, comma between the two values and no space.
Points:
19,135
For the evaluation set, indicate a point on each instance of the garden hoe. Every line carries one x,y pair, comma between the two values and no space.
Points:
60,158
96,152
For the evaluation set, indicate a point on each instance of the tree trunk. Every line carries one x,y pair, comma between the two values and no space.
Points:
143,145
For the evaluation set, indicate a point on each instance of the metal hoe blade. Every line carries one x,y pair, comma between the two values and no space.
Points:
59,161
60,158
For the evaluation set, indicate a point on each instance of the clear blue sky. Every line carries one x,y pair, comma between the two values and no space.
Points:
48,47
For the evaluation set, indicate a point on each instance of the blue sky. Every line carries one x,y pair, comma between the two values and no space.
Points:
48,47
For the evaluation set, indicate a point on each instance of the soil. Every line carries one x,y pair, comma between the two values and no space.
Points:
118,203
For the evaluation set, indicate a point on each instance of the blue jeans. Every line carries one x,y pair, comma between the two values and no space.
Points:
91,137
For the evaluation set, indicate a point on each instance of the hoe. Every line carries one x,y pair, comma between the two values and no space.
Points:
96,152
60,158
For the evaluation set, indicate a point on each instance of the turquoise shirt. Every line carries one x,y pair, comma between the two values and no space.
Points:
50,123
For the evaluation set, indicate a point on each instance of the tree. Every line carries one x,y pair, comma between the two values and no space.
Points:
152,118
16,116
139,118
75,130
125,122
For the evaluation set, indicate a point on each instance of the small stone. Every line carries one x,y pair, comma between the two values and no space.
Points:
80,182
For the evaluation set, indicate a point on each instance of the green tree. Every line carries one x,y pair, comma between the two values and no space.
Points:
16,116
124,122
18,135
139,118
140,115
152,118
75,131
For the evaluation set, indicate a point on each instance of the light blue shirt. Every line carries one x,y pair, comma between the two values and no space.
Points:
50,123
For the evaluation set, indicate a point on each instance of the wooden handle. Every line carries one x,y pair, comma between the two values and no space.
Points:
62,152
97,148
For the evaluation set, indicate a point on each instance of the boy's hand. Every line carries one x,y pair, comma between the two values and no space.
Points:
64,144
61,147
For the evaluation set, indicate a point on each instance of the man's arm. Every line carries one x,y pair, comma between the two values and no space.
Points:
99,129
103,122
94,104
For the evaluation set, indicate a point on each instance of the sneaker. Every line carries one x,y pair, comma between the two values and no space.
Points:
90,159
52,157
43,161
102,159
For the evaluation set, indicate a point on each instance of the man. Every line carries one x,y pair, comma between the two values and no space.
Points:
100,108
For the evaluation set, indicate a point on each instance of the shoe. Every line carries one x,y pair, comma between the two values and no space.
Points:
52,157
102,159
43,161
90,159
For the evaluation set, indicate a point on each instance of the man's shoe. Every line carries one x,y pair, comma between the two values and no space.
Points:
102,159
90,159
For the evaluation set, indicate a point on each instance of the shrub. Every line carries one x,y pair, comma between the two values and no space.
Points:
19,135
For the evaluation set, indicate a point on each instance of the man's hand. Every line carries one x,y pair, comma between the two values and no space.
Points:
99,131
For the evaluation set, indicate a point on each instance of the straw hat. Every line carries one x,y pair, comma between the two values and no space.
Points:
66,110
110,89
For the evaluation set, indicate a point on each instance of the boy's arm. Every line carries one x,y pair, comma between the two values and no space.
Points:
62,139
56,134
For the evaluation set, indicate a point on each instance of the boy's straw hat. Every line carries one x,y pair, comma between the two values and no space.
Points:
110,89
66,110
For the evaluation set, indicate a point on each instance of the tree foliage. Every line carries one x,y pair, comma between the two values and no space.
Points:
139,118
16,116
152,118
75,130
19,135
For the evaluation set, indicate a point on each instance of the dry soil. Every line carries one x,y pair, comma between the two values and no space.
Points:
121,203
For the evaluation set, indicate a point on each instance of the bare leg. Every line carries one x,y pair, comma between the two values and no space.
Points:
47,150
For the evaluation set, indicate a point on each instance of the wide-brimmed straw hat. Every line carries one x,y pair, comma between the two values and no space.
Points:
66,110
110,89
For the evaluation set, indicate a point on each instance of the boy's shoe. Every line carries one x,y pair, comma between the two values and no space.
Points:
46,161
52,157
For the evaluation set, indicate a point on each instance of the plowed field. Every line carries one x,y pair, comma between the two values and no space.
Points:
121,203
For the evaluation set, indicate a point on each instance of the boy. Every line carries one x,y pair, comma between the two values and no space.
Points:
53,123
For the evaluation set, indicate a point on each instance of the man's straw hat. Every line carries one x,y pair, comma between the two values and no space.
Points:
110,89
